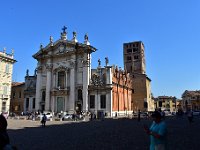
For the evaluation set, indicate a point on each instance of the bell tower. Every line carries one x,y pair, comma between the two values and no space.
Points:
134,58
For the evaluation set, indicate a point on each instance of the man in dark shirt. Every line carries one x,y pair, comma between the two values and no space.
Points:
4,138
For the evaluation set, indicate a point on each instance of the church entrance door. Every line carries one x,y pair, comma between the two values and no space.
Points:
60,104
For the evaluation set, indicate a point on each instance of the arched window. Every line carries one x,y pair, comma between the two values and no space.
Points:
61,80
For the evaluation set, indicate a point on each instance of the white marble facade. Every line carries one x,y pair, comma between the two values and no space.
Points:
63,75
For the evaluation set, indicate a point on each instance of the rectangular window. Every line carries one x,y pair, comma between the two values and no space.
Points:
20,94
27,102
33,103
128,57
136,57
103,101
7,68
13,95
145,105
129,50
135,50
160,103
92,101
61,79
5,90
3,106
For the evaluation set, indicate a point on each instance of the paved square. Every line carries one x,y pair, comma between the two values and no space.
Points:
110,134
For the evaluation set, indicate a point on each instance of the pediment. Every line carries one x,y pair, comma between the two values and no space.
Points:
61,47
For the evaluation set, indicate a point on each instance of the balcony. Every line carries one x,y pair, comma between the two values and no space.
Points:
60,92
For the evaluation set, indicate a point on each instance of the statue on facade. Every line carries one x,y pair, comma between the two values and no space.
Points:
106,61
41,46
74,35
27,72
86,39
99,62
51,40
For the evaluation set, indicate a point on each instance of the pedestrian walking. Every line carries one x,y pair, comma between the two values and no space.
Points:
44,119
157,132
190,116
139,113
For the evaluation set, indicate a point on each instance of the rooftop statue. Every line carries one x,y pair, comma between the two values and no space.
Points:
27,72
99,62
106,61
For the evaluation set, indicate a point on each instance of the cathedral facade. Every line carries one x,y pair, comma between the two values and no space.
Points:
63,74
67,83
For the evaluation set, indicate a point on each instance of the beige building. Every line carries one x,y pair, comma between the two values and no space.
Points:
134,63
191,100
6,69
167,103
17,97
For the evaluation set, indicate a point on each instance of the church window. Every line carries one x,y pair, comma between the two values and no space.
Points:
80,97
33,103
92,101
103,101
43,95
27,102
61,79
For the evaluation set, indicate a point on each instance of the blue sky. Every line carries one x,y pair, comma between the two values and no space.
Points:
168,28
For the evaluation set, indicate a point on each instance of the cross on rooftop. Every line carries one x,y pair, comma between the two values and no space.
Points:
64,28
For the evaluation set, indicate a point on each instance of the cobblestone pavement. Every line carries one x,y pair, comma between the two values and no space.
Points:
110,134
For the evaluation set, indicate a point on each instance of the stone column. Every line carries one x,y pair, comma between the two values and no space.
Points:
38,88
48,88
96,102
72,88
109,102
66,77
85,85
54,80
53,104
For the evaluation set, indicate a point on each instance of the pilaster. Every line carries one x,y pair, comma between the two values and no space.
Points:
48,87
85,85
38,88
72,88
